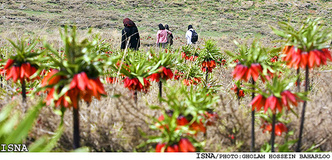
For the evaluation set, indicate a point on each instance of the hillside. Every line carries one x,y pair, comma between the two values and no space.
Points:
123,120
222,19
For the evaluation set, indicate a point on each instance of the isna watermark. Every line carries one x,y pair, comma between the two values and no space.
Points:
13,148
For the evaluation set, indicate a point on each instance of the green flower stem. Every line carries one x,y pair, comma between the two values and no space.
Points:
252,148
76,127
206,76
24,95
160,84
298,149
273,132
135,97
298,79
238,97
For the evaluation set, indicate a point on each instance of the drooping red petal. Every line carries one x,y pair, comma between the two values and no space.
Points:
92,86
278,131
129,83
236,69
59,102
279,128
256,102
290,96
186,146
212,64
209,64
322,57
160,147
33,71
161,118
168,73
82,80
126,82
172,148
10,73
16,72
278,105
9,63
268,128
256,69
154,77
284,99
304,59
271,103
296,59
23,70
198,127
186,82
182,121
50,79
288,51
240,72
234,88
247,74
140,86
254,74
317,57
73,82
311,59
136,82
100,86
73,94
241,93
49,96
204,63
87,96
327,53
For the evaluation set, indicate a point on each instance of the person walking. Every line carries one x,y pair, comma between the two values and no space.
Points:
191,35
169,36
130,35
162,36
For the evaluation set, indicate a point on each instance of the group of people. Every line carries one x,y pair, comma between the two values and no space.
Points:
164,36
131,39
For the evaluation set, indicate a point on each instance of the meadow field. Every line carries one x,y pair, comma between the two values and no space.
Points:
117,122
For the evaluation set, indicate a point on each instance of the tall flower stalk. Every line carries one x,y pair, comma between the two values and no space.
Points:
165,61
251,65
75,76
188,112
208,57
136,69
306,47
275,98
23,64
192,75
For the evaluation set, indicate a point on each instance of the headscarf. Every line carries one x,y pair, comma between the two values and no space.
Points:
128,23
161,27
166,26
190,26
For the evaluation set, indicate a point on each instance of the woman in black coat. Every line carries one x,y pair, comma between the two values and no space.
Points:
130,32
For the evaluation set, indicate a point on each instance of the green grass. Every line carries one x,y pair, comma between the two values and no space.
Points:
40,13
210,18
